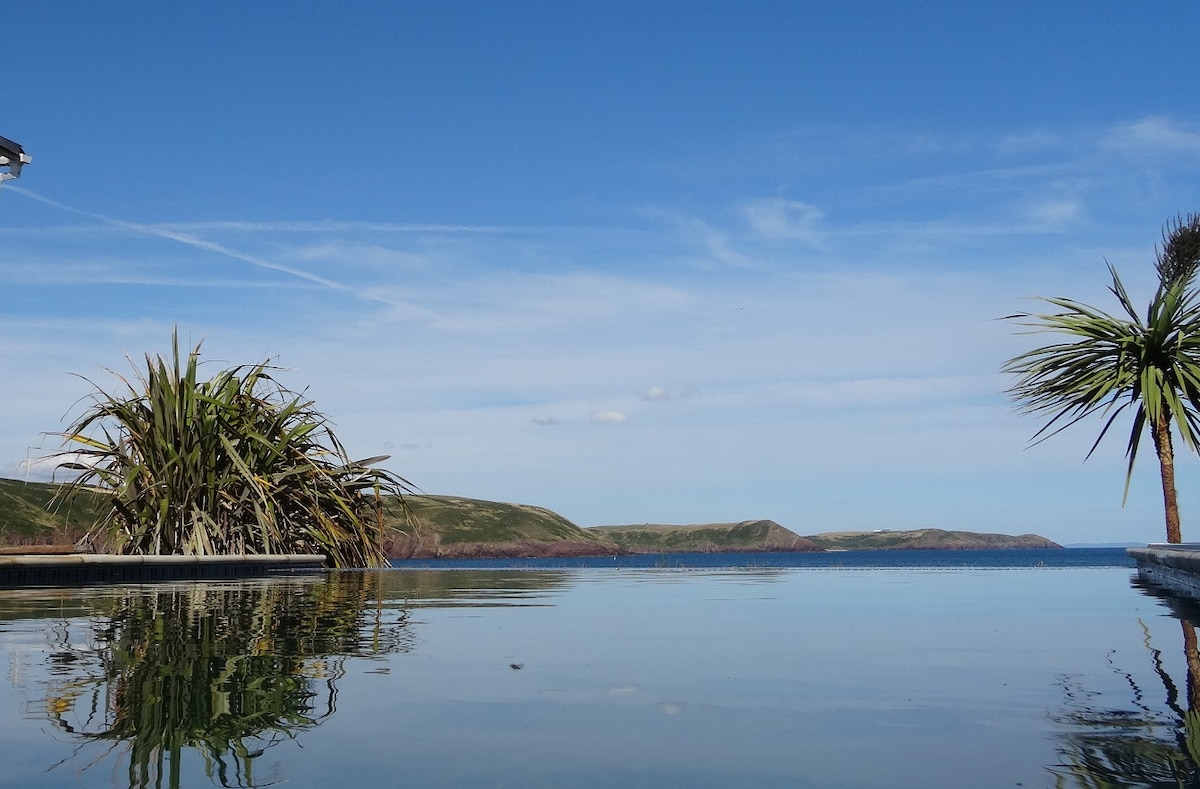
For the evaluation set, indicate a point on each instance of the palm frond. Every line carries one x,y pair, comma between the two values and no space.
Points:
1114,362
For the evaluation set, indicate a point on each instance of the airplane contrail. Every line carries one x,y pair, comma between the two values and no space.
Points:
190,240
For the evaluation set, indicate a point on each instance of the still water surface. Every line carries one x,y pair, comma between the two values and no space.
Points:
919,676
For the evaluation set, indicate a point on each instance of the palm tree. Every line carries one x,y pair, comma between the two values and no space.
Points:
1118,362
237,464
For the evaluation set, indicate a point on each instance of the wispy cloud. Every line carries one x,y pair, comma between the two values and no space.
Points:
341,226
187,239
1051,213
1155,135
1033,141
775,218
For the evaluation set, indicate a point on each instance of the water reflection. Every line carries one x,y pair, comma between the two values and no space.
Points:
473,588
224,672
1147,743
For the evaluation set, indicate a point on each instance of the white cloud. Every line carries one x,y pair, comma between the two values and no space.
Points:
379,257
1053,213
489,304
609,417
656,394
775,218
546,420
1153,135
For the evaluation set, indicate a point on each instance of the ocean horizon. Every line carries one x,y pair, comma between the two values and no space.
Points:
990,557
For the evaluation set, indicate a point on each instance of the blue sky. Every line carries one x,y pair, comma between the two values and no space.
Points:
633,262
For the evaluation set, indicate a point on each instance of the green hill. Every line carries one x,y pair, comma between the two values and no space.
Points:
927,539
25,519
425,526
758,535
450,526
453,526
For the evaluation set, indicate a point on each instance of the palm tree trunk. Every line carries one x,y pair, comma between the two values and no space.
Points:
1161,433
1192,655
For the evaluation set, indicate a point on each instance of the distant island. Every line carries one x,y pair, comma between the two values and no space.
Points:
427,526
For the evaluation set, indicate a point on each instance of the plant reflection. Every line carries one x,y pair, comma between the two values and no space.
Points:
226,671
1145,745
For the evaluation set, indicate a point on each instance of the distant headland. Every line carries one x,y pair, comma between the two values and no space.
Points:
426,526
457,527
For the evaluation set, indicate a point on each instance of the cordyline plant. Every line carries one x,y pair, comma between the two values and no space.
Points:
222,672
237,464
1119,362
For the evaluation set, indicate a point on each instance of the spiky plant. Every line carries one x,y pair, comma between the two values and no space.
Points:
237,464
1119,362
223,672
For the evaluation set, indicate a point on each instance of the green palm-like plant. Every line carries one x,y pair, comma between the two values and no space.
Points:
1145,745
237,464
222,671
1120,362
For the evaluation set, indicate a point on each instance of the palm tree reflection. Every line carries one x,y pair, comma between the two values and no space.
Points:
1146,744
225,671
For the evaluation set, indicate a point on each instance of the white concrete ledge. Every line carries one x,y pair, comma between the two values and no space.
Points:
285,559
86,568
1175,566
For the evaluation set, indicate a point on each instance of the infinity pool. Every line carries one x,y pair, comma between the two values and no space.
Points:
907,677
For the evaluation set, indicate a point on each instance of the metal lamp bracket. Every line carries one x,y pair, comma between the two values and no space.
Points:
13,157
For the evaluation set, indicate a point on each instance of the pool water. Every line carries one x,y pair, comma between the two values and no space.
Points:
592,677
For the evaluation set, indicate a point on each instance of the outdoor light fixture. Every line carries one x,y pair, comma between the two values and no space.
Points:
13,157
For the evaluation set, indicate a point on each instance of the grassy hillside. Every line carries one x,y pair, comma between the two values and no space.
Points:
25,520
457,526
926,539
431,526
759,535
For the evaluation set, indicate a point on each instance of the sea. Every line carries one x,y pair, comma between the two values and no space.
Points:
1024,668
1032,557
